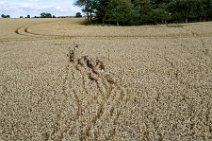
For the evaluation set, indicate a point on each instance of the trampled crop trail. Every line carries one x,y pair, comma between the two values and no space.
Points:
107,103
111,94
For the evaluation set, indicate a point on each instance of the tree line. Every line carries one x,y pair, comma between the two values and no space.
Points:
136,12
45,15
42,15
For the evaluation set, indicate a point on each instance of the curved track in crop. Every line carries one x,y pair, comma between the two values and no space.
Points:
97,88
25,31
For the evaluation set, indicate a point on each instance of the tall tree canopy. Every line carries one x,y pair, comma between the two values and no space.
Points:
146,11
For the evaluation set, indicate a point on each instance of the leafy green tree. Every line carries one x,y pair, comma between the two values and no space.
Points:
45,15
119,11
78,15
186,9
141,10
160,14
88,7
5,16
208,7
101,10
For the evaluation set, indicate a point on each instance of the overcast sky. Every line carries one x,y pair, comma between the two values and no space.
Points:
17,8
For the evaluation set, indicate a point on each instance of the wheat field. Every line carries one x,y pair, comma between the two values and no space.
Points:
61,80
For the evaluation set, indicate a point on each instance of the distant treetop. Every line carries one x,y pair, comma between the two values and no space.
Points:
46,15
78,15
5,16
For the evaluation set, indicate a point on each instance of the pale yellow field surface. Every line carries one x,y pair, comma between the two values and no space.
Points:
64,81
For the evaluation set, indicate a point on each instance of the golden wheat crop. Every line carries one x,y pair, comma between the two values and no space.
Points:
61,80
